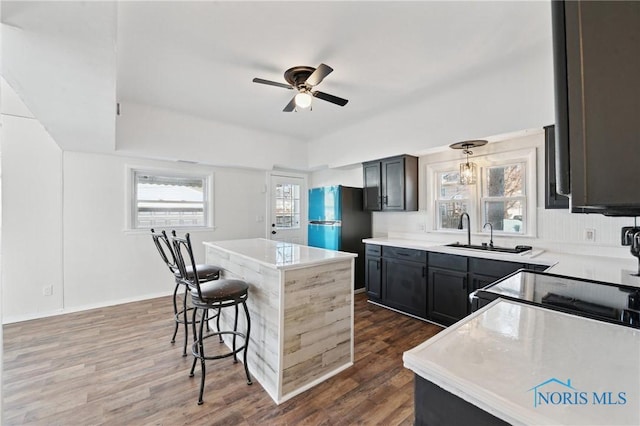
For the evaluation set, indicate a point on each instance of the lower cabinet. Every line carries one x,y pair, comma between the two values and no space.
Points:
405,286
434,286
397,277
373,271
448,295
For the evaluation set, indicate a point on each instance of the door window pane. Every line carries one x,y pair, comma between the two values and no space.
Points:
287,206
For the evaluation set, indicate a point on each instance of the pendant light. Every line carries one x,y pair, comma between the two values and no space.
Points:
468,170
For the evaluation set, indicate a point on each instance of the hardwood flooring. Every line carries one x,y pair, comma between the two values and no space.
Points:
116,366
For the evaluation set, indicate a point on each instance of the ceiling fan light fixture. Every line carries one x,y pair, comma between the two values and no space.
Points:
303,100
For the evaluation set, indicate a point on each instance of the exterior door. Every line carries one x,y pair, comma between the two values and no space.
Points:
288,212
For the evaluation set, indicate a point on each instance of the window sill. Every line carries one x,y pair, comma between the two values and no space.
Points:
191,230
463,233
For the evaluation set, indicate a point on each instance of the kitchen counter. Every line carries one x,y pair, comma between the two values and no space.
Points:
599,268
279,254
301,307
525,364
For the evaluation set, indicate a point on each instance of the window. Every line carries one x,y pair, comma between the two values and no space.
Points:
504,195
169,200
452,199
287,200
504,198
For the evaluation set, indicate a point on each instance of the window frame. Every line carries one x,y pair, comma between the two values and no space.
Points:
132,199
527,156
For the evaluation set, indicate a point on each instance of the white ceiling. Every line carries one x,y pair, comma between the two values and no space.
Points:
198,58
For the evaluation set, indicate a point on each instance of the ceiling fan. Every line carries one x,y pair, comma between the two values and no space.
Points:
303,79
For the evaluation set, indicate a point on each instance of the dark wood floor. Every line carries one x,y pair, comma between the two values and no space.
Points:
116,366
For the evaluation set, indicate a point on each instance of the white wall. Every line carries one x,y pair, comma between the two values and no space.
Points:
143,129
71,81
347,176
105,264
64,224
31,217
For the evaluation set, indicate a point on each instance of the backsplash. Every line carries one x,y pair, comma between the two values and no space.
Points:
558,230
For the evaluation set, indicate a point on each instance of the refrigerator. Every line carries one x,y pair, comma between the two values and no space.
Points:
337,221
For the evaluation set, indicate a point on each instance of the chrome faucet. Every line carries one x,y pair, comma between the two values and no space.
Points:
468,226
491,237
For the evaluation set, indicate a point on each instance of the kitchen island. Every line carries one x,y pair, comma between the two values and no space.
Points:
301,307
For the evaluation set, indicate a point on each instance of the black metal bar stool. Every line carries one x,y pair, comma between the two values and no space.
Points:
205,273
217,295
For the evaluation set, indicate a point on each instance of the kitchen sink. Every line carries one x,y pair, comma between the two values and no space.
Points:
486,247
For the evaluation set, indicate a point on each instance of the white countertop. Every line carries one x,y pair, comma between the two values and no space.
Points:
278,254
499,357
599,268
531,256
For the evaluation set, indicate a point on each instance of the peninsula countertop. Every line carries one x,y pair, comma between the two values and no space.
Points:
504,355
278,254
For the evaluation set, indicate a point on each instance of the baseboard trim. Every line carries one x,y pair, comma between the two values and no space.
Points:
40,315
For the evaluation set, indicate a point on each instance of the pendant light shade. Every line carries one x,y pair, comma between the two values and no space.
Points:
468,173
468,170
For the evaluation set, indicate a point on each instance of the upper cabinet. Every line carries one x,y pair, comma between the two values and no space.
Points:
391,184
596,67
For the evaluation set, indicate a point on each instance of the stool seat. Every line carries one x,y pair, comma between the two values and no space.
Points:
205,272
219,291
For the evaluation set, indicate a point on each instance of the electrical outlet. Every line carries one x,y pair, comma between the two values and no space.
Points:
589,234
47,291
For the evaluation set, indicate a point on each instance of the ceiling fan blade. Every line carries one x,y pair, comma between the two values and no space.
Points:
272,83
318,75
291,106
330,98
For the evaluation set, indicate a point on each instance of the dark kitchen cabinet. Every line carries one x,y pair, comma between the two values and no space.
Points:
447,295
430,285
552,200
396,277
404,280
391,184
596,68
448,288
373,272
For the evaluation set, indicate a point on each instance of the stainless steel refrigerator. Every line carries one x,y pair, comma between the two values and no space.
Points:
337,221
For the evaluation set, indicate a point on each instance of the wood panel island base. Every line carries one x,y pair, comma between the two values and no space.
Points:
301,307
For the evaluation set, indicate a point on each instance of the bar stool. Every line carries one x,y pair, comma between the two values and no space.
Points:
205,273
218,295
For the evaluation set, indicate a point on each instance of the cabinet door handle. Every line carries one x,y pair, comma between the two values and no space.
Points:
378,265
464,283
424,271
386,200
